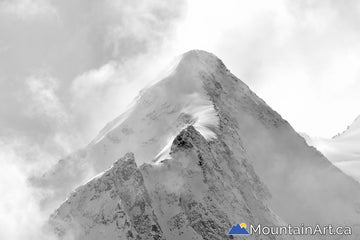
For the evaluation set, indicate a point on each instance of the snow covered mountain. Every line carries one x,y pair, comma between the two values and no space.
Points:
198,152
343,150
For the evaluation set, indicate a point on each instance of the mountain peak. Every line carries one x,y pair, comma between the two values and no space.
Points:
198,55
199,60
353,130
205,136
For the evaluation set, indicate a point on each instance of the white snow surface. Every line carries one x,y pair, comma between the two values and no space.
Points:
342,150
163,110
178,198
150,123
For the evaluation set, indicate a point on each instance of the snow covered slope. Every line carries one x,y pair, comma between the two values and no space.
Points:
193,195
343,149
236,142
148,127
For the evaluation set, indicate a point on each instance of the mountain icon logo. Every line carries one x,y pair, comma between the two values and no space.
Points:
239,229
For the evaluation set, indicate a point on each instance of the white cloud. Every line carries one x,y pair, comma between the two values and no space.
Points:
44,105
96,47
94,80
299,56
21,216
114,50
99,95
42,94
28,9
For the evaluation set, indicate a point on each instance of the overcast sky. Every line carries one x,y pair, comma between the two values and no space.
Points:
69,67
302,57
74,65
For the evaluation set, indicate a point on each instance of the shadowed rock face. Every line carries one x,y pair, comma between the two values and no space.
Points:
197,194
113,206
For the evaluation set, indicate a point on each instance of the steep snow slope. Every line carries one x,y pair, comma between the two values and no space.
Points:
201,92
148,127
342,150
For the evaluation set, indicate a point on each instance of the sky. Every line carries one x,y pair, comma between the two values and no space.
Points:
69,67
301,57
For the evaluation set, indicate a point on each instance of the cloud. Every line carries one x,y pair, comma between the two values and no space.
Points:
44,105
42,94
94,79
28,9
21,216
100,95
299,56
108,36
66,69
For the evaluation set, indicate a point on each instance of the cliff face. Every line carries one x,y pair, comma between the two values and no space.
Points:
197,194
113,206
203,142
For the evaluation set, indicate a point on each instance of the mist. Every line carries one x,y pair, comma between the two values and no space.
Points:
67,68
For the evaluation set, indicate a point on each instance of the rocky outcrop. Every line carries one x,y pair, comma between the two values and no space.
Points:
197,194
115,205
